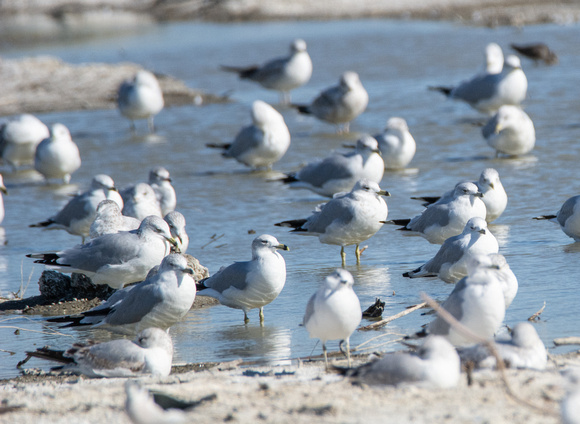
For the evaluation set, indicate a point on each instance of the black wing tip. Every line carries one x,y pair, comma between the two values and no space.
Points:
296,224
442,89
541,217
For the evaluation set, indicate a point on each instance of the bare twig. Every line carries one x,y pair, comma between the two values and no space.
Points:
385,321
536,316
213,238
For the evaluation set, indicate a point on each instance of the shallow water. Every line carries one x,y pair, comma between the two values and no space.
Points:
396,60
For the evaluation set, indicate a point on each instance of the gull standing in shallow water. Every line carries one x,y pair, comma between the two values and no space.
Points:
339,104
568,217
115,259
450,262
261,144
435,364
396,144
347,219
340,172
19,138
510,131
252,284
282,74
57,156
150,353
333,312
140,98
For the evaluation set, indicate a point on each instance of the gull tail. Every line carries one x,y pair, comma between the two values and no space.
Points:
222,146
243,72
305,109
402,222
544,217
46,258
442,89
200,285
50,355
296,224
42,224
428,200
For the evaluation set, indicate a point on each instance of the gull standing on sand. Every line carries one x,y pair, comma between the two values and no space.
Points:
19,138
477,302
396,144
494,195
447,217
450,262
261,144
252,284
281,74
435,364
522,349
488,92
115,259
347,219
150,353
77,216
2,190
339,104
140,98
141,201
160,301
176,222
333,312
110,220
340,172
57,156
160,182
510,131
568,217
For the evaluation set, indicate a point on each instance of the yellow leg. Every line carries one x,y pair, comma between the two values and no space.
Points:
246,319
348,351
343,256
325,355
357,253
261,315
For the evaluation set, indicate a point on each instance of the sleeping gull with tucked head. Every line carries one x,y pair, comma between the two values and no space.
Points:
110,220
510,131
19,138
57,156
568,217
396,144
141,201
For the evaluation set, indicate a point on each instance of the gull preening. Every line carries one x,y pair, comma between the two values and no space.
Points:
339,104
340,172
252,284
57,156
347,219
568,217
281,74
140,98
510,131
176,222
19,138
333,312
110,220
396,144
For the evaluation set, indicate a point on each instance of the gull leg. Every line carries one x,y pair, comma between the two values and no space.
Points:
246,319
285,98
345,352
133,127
150,124
343,256
357,253
325,355
261,314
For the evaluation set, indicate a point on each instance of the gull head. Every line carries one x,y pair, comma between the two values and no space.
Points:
369,186
267,242
158,175
489,178
263,114
175,262
512,62
476,225
396,124
155,225
176,222
525,335
339,279
59,132
350,81
102,181
467,189
154,338
436,347
146,78
298,45
367,144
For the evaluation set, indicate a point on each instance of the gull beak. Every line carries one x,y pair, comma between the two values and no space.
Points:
113,189
482,231
377,151
173,242
168,179
3,190
491,185
498,128
384,193
189,271
282,247
478,194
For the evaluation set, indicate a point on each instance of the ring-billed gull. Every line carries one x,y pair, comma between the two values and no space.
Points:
142,408
261,144
522,349
570,406
340,172
115,259
333,312
160,182
508,279
488,92
140,98
57,156
110,220
160,301
2,190
494,194
19,138
150,353
510,131
176,222
450,262
435,364
447,217
536,52
477,302
347,219
493,59
339,104
281,74
252,284
568,217
396,144
141,201
79,213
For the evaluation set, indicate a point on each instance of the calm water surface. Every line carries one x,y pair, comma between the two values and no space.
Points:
396,62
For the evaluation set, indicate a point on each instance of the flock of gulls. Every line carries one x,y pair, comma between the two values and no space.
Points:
135,241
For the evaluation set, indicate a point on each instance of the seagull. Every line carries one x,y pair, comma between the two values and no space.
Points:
510,131
396,144
160,182
493,59
349,218
494,195
140,98
339,104
570,406
261,144
448,216
523,349
537,52
159,301
333,312
281,74
150,353
142,408
488,92
19,138
141,201
340,172
57,156
2,190
450,262
252,284
77,216
477,302
508,279
568,217
110,220
435,364
115,259
176,222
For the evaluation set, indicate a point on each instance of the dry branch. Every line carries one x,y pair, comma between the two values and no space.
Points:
385,321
